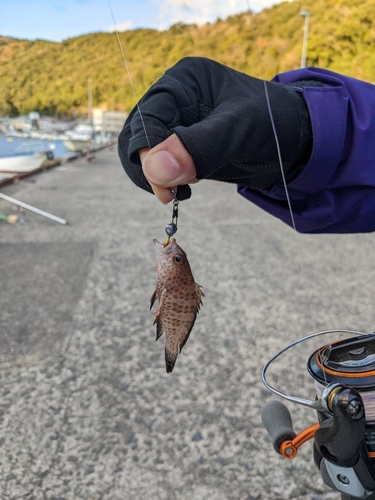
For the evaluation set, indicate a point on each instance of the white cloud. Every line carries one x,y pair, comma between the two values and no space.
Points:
126,25
202,11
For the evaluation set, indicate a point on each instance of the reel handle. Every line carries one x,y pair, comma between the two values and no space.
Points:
278,422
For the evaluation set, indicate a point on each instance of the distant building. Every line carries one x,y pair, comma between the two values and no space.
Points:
108,121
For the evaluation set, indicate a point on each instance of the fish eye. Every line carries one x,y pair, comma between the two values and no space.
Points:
177,258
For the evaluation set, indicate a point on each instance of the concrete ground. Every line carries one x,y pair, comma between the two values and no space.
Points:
87,410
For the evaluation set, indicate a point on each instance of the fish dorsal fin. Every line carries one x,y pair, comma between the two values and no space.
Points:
199,294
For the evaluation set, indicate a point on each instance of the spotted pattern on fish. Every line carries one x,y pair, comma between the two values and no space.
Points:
179,299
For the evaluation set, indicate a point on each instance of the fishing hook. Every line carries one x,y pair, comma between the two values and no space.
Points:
171,228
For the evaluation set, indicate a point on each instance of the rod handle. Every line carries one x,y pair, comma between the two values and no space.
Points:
278,422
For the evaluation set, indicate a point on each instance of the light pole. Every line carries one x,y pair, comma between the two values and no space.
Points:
89,99
306,15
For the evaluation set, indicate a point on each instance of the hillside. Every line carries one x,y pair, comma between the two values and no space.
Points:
52,77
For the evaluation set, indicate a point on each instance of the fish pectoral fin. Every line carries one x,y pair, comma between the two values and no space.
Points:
158,318
153,298
157,321
158,310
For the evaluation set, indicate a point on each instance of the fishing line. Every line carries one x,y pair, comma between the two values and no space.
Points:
128,73
171,228
260,62
302,270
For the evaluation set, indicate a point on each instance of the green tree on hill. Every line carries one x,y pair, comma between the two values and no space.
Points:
52,77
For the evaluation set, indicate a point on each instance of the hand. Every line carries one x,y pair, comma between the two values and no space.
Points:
206,121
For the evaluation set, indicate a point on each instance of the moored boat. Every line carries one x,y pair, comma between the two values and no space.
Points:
79,138
77,144
21,163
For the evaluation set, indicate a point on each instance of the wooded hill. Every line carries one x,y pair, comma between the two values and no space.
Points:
52,78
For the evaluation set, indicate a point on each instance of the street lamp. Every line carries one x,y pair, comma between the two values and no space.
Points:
306,15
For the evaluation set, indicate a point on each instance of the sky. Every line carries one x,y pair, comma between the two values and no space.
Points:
56,20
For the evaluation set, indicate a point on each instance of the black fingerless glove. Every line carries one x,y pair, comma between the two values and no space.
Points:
222,118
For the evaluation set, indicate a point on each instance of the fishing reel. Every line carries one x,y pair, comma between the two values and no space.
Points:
344,436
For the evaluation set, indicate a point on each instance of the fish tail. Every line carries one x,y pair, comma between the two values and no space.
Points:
170,359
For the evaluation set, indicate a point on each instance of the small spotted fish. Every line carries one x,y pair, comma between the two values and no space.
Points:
179,299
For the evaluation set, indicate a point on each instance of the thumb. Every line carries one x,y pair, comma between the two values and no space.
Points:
167,166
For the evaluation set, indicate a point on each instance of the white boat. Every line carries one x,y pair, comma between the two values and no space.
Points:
77,144
79,138
22,163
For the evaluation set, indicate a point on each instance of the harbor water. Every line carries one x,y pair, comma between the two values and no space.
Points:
10,146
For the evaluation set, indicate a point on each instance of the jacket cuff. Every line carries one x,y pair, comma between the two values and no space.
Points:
329,130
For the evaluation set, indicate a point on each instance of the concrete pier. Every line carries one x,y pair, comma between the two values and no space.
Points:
86,408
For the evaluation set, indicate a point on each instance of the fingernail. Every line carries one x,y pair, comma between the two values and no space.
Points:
161,168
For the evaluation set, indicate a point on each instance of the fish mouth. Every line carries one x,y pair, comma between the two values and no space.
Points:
161,248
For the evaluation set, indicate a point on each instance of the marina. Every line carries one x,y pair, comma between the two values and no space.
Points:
30,143
12,146
23,156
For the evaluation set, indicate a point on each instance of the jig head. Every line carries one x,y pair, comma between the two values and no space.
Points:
171,228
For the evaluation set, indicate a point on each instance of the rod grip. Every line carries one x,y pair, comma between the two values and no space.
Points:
278,422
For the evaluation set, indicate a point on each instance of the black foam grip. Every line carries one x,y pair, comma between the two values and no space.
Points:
278,422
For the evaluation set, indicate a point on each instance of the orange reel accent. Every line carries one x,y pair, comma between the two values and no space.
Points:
288,449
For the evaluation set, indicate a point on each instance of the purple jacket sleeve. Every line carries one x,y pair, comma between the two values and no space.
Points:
335,192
